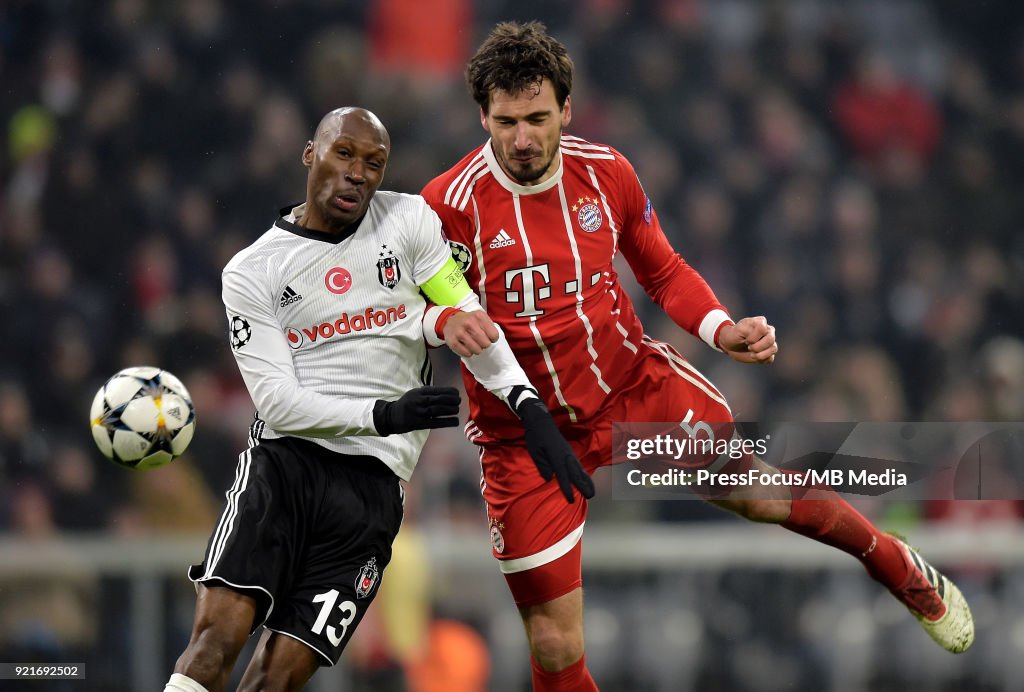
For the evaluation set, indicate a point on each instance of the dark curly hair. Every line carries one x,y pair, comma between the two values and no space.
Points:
519,56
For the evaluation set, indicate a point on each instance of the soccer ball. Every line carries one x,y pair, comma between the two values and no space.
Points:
142,418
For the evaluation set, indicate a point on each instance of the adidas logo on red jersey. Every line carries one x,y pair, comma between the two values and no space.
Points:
503,239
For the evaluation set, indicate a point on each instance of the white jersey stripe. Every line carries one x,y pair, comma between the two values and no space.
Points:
697,373
551,370
218,536
481,286
675,363
533,320
685,364
579,291
625,342
230,517
215,539
572,152
527,248
580,143
549,554
457,183
462,199
677,358
483,481
607,210
227,522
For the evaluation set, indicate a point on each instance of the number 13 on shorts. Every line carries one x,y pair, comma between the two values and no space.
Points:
348,612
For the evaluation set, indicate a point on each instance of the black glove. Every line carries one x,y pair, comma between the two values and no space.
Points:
551,453
423,408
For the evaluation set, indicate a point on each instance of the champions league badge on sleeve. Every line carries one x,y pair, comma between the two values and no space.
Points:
240,331
388,271
367,578
461,254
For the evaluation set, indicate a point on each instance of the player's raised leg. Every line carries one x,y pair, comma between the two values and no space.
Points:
537,538
279,664
818,512
222,623
815,511
554,631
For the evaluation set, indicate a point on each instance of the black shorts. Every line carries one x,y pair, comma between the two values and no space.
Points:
307,532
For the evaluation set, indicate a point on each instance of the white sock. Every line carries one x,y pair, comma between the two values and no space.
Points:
182,683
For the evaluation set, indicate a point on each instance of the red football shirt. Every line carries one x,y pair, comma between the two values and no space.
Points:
540,258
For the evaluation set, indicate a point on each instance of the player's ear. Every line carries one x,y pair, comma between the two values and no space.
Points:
567,111
307,155
483,119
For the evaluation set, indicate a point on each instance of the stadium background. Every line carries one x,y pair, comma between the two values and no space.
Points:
852,170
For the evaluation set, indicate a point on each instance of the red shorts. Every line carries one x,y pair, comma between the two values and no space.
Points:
534,532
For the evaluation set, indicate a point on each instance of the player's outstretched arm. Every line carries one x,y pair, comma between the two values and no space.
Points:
473,335
751,340
423,408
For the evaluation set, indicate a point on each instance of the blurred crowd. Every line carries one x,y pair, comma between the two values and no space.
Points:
847,169
851,170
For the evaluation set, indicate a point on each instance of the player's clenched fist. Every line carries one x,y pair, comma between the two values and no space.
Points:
469,333
423,408
751,340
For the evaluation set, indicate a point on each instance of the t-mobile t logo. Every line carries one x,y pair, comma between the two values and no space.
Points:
533,290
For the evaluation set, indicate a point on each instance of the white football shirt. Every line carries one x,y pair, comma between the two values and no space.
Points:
323,326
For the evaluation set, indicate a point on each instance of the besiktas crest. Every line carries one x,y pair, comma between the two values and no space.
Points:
367,578
388,271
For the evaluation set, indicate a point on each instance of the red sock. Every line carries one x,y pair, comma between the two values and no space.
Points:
575,678
819,513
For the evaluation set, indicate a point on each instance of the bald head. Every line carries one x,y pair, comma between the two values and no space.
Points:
338,120
346,160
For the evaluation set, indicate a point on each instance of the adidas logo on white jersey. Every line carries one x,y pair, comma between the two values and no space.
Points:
503,239
289,296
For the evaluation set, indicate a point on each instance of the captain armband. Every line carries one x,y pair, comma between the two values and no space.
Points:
448,286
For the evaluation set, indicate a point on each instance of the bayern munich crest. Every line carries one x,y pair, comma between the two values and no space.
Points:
388,271
588,214
367,578
497,540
